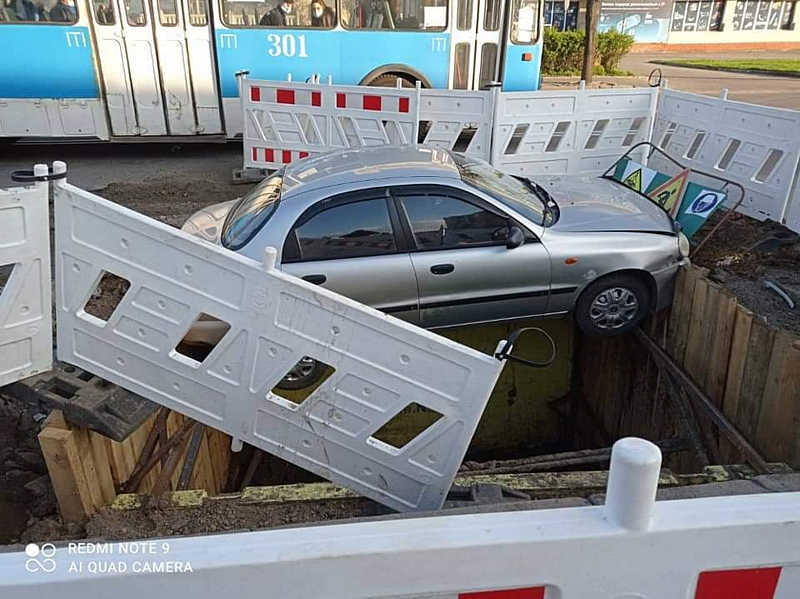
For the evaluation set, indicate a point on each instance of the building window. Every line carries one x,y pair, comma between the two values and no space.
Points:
750,15
560,15
697,16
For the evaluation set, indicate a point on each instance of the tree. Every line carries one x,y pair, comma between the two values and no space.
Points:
589,40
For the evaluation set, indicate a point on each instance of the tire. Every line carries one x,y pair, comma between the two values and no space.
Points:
389,80
613,305
303,374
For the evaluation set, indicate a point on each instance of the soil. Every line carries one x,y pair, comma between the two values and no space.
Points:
744,254
25,490
171,200
221,516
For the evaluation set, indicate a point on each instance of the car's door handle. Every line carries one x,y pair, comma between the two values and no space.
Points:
316,279
442,269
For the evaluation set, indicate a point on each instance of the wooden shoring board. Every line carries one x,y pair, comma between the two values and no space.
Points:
778,429
87,468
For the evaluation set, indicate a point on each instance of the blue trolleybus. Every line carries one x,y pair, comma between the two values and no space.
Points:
148,69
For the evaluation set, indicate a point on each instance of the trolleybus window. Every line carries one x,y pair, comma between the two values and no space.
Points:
61,12
104,12
491,18
464,15
134,9
198,13
400,15
524,21
294,14
168,13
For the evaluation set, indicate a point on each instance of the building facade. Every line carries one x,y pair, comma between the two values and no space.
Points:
703,22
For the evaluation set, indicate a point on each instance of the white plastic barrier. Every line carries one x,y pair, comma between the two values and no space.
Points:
381,365
756,146
457,120
570,132
743,547
26,328
286,121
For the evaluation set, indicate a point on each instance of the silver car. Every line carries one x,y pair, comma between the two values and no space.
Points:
442,239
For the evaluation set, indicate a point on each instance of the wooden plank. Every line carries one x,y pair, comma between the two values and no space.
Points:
733,380
86,457
117,462
103,467
66,474
203,470
693,358
778,421
678,309
55,419
754,378
677,345
720,347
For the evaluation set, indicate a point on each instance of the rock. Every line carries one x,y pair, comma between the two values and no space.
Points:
31,460
719,275
39,486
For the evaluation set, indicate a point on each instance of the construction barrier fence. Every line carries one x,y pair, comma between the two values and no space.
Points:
545,132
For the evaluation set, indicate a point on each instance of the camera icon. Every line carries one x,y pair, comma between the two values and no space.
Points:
40,558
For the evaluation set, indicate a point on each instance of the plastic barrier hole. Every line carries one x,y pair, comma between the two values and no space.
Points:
302,379
204,334
406,425
6,270
107,294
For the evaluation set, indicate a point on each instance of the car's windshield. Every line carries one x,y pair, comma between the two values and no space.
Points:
516,193
252,211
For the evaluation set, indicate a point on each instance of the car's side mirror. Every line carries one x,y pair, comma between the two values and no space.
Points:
515,238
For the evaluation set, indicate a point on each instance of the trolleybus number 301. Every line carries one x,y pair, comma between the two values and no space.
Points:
287,45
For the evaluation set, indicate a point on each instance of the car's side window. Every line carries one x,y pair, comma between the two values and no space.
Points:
349,230
441,222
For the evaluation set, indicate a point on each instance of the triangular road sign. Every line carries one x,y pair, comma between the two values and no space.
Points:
669,194
634,180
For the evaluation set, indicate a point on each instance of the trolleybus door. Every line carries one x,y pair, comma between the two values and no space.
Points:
462,63
113,62
173,65
185,63
199,40
488,42
143,66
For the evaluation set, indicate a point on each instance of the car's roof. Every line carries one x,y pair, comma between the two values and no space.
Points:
365,164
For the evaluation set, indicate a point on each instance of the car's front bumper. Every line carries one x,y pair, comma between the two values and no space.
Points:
665,282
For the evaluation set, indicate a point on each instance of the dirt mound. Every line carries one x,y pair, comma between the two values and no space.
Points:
169,200
744,254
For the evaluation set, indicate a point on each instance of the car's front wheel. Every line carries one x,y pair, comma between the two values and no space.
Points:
612,305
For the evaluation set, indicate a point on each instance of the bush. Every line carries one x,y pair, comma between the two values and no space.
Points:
611,47
563,51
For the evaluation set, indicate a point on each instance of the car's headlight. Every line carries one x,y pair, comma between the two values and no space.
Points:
683,245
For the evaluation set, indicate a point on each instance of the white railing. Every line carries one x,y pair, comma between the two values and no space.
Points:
631,548
564,132
26,340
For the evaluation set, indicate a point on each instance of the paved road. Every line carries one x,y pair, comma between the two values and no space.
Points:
783,92
93,166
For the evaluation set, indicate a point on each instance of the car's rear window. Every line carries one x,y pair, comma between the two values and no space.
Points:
252,211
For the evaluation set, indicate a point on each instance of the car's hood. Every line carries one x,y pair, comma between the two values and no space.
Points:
595,204
207,223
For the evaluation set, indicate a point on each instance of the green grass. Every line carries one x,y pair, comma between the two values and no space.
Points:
771,65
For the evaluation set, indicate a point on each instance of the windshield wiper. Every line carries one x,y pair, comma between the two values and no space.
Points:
544,197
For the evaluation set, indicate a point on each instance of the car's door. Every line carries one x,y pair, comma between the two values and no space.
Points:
465,272
349,244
